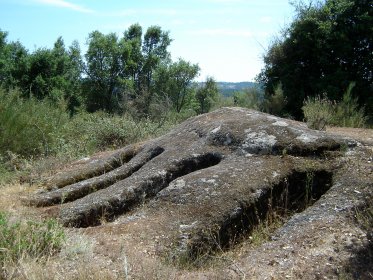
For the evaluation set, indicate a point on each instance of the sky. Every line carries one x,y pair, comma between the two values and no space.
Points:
227,38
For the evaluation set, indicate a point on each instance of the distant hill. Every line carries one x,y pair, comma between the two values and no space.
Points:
227,88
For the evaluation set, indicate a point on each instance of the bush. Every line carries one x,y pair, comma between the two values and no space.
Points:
100,131
32,131
319,112
28,239
251,98
347,112
28,126
275,104
248,98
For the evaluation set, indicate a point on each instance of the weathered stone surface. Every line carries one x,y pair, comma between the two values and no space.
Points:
203,184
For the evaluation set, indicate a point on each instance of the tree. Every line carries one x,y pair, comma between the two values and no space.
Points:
135,60
13,62
326,47
74,76
155,51
175,82
106,61
45,73
118,68
206,95
55,74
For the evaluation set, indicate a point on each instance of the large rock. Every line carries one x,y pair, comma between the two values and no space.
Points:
203,184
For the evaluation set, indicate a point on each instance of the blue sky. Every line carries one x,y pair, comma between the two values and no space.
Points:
227,38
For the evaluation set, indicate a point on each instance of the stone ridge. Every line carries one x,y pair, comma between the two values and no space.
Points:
221,172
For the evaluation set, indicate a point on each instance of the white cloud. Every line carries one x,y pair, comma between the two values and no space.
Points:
223,32
65,4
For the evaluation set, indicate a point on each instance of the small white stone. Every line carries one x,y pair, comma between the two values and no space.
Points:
216,129
275,174
280,123
307,138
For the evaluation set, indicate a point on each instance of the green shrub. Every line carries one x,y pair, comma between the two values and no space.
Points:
32,131
32,128
28,126
320,111
247,99
347,112
275,104
20,240
90,132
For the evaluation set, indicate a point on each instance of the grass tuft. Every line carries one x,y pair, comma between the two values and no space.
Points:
28,239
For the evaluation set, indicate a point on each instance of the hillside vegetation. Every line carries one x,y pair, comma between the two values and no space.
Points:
61,103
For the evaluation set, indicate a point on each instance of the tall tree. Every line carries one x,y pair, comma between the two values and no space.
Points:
154,49
118,67
175,82
327,46
45,73
55,74
106,61
206,95
133,35
13,62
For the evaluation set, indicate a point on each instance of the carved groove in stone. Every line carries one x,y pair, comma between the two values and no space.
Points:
83,188
125,194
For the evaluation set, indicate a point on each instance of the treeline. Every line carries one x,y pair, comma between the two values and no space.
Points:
133,72
326,53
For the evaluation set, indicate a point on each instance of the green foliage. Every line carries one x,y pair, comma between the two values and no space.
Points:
33,128
13,62
54,74
316,54
275,104
117,74
19,240
175,80
101,131
121,69
319,112
28,127
105,67
226,89
154,47
249,98
348,113
207,95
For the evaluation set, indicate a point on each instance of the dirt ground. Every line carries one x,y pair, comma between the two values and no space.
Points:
325,241
365,136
